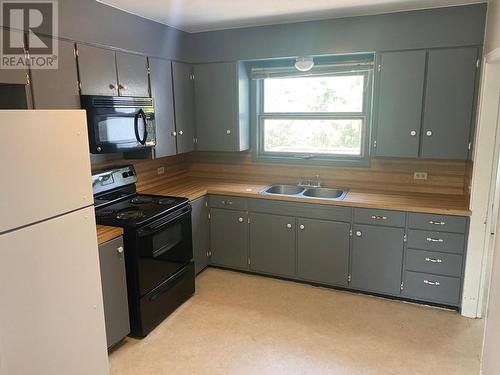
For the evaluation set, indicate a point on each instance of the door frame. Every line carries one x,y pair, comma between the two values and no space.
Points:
483,185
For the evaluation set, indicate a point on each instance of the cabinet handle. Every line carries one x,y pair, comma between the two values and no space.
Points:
432,222
122,87
358,233
433,283
174,134
228,131
428,133
181,132
433,260
227,203
289,226
240,219
434,239
302,227
413,133
376,217
112,86
119,249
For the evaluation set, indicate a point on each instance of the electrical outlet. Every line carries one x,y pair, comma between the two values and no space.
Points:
420,176
160,171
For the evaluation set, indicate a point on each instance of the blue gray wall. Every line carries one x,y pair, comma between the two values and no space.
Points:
443,27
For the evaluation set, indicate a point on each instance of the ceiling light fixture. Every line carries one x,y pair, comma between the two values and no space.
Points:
304,64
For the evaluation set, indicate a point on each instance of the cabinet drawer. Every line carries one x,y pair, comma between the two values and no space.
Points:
379,217
432,288
438,241
432,262
229,202
456,224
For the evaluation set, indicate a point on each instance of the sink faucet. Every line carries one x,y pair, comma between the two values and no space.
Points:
314,181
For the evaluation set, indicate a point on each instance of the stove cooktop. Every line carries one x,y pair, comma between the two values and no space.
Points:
137,209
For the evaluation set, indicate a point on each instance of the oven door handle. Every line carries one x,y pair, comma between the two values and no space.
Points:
141,113
159,225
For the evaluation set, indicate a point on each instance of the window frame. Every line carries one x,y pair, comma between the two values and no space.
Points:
258,117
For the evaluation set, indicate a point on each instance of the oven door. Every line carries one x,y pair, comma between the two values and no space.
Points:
163,248
127,130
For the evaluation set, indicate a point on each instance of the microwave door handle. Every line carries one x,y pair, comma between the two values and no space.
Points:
144,119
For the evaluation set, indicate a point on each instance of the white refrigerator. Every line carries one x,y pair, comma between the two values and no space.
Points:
51,310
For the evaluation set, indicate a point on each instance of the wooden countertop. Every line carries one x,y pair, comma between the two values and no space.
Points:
193,188
105,234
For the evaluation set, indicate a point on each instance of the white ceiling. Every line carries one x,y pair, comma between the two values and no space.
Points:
205,15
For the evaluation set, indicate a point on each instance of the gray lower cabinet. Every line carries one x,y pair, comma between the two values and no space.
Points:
377,258
114,290
57,88
161,90
97,68
398,111
222,106
449,102
229,238
132,73
323,251
272,244
201,233
183,88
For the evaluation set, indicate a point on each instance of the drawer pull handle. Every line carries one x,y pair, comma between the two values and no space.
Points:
435,239
433,260
434,283
377,217
227,203
240,220
432,222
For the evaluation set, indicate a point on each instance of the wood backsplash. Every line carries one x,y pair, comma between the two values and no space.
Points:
444,177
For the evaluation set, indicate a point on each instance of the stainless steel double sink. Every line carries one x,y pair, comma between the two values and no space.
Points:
305,192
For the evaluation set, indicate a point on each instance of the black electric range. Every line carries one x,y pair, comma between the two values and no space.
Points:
157,241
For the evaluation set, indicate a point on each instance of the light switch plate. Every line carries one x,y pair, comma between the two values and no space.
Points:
420,176
160,171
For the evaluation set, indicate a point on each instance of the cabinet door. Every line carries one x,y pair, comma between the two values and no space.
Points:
216,90
161,89
97,68
114,290
201,233
132,74
399,103
323,251
229,238
184,106
449,102
57,88
377,257
272,244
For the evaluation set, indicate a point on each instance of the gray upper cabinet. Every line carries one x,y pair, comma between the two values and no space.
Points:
57,88
377,258
97,68
323,251
229,238
114,290
449,102
132,74
183,88
272,244
399,103
222,107
161,89
201,233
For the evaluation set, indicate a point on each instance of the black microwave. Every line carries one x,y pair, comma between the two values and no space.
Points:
119,123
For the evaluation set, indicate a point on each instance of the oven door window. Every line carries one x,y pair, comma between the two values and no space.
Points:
118,130
164,252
